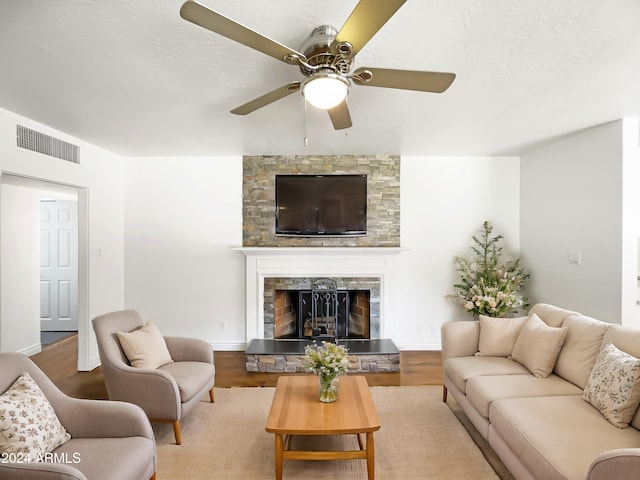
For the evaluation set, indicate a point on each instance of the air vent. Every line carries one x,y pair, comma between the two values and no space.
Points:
47,145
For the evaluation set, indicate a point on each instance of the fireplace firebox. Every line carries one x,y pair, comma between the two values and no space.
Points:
305,314
322,308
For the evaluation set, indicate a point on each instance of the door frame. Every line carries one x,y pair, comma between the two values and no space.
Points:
84,362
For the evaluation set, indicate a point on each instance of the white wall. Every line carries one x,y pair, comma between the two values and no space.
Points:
572,201
99,181
444,201
183,216
20,234
169,252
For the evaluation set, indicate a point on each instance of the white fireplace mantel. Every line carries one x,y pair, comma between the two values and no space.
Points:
264,262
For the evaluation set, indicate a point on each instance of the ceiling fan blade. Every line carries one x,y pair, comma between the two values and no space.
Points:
206,18
340,116
436,82
364,22
267,98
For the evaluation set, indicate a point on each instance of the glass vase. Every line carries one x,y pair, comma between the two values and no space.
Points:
328,388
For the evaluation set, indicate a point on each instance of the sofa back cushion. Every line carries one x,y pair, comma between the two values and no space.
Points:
550,314
628,340
581,348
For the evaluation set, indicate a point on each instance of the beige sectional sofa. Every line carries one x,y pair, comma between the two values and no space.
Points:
542,427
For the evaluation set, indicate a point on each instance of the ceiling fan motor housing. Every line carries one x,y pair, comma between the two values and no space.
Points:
317,49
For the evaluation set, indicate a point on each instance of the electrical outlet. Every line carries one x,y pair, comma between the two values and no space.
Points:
434,330
223,325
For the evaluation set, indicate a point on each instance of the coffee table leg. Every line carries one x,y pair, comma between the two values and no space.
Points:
278,456
371,466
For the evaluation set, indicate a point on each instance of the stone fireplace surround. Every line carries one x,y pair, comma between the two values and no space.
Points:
376,355
368,256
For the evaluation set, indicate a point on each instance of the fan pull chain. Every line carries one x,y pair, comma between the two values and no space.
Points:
306,139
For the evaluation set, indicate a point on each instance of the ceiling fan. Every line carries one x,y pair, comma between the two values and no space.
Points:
325,59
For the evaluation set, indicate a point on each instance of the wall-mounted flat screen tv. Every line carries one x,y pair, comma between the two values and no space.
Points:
324,205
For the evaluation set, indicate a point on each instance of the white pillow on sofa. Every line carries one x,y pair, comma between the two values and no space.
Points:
145,347
538,346
28,423
613,386
498,335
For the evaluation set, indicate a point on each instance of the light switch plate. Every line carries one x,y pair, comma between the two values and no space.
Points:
574,258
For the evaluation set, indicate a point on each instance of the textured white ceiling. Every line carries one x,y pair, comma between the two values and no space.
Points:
137,79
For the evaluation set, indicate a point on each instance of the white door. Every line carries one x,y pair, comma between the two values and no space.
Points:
58,265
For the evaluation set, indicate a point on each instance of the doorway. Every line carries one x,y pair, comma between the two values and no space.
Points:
21,291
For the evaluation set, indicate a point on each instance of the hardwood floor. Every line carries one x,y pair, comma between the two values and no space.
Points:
59,362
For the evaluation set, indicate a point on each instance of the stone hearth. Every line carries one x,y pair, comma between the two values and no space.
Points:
287,356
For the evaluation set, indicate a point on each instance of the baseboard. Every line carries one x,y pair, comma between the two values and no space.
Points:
93,363
419,345
37,348
229,347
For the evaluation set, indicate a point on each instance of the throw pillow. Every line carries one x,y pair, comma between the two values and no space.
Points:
28,423
145,347
498,335
538,345
613,385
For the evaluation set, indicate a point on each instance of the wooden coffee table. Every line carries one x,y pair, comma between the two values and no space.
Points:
296,410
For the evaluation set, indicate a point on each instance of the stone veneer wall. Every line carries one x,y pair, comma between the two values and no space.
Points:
383,202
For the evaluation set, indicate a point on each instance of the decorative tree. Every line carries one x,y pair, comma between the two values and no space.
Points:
488,286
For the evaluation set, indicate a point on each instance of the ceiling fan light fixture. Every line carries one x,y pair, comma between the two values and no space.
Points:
325,90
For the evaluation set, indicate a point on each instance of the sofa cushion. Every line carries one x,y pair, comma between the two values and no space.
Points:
550,314
145,347
460,369
485,389
28,423
556,438
628,340
191,377
613,385
580,349
538,346
498,335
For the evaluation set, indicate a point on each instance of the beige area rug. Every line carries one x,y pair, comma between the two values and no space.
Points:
420,438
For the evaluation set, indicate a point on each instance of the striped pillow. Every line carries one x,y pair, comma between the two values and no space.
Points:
498,335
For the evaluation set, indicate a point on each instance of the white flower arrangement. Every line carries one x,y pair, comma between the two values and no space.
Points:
326,359
487,286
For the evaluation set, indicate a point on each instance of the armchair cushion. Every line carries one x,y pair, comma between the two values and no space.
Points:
189,376
28,423
145,347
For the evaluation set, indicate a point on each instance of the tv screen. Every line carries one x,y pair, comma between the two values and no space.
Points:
321,205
